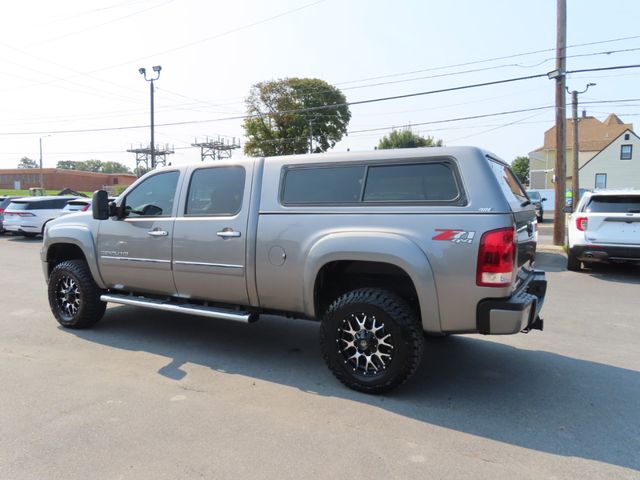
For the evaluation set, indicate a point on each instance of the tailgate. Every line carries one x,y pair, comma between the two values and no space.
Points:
613,219
613,228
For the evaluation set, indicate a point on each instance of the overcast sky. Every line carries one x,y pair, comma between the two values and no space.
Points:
69,69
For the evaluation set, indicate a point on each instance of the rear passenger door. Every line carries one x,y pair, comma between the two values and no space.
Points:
210,237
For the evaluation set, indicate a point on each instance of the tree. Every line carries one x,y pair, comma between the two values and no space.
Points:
520,167
405,138
26,162
276,126
93,166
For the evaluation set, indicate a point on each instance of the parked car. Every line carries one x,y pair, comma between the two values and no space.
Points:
75,206
536,201
604,228
29,215
4,203
380,247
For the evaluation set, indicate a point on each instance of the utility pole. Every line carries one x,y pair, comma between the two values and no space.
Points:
310,135
561,140
143,72
575,181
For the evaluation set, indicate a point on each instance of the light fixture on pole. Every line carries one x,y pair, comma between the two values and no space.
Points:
575,181
143,72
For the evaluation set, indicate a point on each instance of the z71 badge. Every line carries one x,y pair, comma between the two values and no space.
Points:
455,236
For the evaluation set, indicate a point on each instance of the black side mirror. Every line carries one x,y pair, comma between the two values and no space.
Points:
543,199
100,205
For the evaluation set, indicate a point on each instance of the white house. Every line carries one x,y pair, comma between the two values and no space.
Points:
617,165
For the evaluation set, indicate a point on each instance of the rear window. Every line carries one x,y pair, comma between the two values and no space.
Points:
509,183
414,182
613,204
17,206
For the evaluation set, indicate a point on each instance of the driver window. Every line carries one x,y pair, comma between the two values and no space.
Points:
154,197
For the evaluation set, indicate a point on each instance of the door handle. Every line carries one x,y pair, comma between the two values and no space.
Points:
158,233
228,233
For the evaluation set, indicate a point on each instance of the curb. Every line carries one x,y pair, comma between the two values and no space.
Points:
550,249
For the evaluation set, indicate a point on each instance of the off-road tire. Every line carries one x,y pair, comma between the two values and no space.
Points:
573,264
379,307
74,297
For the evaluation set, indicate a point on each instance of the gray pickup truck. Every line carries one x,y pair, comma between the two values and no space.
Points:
381,247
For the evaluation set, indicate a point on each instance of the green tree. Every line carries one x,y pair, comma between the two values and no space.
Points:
520,167
26,162
275,125
94,166
405,138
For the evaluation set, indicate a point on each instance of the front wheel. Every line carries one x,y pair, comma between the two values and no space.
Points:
74,297
371,340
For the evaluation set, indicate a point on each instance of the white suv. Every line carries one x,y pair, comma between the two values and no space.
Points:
605,228
29,215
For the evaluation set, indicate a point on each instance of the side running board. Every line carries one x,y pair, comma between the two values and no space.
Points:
188,308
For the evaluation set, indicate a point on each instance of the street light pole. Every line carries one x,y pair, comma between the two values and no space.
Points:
143,72
575,181
41,172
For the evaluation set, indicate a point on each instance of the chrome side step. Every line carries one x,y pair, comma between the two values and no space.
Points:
191,309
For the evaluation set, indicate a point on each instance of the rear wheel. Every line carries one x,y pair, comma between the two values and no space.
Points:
74,297
573,263
371,340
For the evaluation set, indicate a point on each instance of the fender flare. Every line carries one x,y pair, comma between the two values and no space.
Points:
378,247
81,237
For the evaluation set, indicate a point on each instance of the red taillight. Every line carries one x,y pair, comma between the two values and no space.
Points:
1,210
496,258
581,223
85,208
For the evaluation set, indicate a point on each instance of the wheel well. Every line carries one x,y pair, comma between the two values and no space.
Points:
336,278
60,252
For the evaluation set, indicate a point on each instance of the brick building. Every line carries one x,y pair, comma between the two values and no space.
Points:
58,179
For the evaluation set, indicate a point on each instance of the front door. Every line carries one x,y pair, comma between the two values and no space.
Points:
134,253
210,240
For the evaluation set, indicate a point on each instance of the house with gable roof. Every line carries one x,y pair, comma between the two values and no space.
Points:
593,135
615,166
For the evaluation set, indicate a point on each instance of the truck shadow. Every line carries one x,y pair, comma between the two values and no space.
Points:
532,399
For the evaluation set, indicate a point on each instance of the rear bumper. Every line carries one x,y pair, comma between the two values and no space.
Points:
606,253
517,313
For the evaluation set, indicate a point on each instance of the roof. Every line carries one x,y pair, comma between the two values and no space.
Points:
593,134
43,198
605,147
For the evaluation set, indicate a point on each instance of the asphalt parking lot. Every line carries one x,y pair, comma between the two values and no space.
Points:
152,395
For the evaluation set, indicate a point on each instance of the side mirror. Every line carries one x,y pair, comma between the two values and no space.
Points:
100,205
543,199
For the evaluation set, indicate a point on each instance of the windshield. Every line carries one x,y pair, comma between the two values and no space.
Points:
614,204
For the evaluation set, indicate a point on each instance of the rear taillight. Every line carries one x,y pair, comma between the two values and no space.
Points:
85,208
496,258
581,223
19,214
1,210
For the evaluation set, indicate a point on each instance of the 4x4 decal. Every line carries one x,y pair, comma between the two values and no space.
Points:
455,236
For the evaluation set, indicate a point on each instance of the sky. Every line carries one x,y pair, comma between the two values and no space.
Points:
69,69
